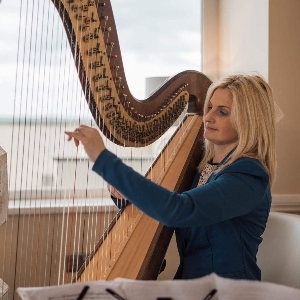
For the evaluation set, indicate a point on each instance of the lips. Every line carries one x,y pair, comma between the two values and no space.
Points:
209,128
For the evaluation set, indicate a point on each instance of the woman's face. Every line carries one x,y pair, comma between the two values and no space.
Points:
218,128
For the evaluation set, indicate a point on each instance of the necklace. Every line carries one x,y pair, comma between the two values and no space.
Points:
206,172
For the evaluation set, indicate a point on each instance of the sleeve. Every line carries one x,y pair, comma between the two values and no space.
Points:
235,191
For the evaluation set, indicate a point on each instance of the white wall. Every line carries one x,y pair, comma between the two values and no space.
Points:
262,36
235,37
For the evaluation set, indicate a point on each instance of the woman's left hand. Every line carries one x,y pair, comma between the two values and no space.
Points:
90,138
115,193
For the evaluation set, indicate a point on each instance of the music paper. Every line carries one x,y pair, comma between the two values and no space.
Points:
3,290
227,289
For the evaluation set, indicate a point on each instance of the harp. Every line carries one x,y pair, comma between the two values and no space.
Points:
128,122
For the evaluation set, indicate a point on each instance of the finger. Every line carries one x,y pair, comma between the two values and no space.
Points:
85,126
79,130
114,192
73,135
118,195
69,136
84,130
109,187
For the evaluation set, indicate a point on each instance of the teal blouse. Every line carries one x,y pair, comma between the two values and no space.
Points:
218,225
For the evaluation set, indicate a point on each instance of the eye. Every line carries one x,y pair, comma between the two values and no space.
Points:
223,112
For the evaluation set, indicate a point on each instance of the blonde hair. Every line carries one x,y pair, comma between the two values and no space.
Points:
252,116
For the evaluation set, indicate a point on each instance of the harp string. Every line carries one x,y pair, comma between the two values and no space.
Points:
11,235
35,210
54,60
105,210
60,247
76,248
21,221
45,238
79,225
73,219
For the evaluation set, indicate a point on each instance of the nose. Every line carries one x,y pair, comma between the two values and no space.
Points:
208,117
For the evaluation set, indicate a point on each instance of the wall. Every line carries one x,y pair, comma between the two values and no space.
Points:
262,36
235,37
284,76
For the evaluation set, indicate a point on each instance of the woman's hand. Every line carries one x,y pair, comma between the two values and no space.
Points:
90,138
115,193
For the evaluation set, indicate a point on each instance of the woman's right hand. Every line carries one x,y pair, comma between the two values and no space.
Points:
90,138
115,193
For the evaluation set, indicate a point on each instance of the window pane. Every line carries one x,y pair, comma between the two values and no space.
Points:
157,38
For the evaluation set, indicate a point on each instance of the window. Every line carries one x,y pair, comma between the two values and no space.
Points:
157,38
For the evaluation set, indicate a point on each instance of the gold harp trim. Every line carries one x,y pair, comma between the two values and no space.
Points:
125,120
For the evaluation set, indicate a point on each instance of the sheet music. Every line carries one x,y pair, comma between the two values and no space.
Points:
127,289
97,290
3,186
3,290
227,289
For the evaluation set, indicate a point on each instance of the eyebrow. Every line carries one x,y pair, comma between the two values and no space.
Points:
220,106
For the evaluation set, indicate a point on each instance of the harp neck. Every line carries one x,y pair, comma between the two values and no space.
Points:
125,120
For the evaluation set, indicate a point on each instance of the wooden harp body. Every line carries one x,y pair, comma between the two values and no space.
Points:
37,239
141,242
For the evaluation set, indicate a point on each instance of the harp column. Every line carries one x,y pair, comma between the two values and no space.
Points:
172,258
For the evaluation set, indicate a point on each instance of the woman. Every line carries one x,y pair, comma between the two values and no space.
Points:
220,220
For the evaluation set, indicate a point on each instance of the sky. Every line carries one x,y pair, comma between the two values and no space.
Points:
157,38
